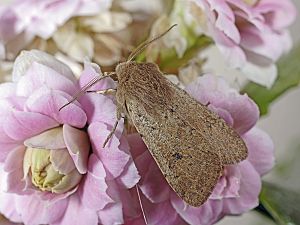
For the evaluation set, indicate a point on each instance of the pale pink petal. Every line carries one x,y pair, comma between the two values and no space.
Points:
205,214
242,109
162,213
77,214
130,176
13,167
7,90
48,102
111,156
62,161
111,214
26,58
28,206
261,150
152,178
50,139
6,144
137,146
248,193
8,207
279,14
78,145
39,75
92,71
93,190
23,125
99,108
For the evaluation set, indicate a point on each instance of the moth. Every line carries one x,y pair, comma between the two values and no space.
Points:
189,143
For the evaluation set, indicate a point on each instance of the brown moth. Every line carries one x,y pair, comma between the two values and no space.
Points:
189,143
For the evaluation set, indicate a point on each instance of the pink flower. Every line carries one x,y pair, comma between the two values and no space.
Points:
252,35
53,168
22,20
239,186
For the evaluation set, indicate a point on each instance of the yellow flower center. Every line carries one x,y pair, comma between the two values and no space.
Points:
37,163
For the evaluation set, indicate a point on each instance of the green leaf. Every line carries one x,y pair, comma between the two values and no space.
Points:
288,77
282,204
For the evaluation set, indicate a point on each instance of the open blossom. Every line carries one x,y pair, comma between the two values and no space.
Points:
52,164
239,185
251,35
21,21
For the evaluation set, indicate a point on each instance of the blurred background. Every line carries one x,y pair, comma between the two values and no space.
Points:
283,124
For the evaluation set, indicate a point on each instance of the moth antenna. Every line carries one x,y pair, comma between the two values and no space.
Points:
85,87
141,204
146,43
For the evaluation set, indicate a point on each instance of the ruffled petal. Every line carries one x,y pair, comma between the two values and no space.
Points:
111,156
260,150
23,125
62,161
39,75
78,145
250,185
26,58
49,102
77,214
28,206
93,190
50,139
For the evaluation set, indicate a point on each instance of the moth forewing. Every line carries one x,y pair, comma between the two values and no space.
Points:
223,139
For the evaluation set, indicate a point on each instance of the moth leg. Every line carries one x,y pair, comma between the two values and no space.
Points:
111,133
109,91
119,112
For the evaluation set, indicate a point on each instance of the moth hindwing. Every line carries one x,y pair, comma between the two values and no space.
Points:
189,143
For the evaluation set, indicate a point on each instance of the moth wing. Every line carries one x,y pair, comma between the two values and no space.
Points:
224,139
189,165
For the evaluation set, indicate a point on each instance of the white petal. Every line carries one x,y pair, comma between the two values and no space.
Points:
26,58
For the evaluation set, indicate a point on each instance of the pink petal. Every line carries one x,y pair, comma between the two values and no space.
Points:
6,145
99,108
162,213
23,125
26,58
14,171
260,150
77,214
39,75
62,161
48,102
137,146
50,139
34,211
111,214
250,185
8,208
78,145
111,156
7,90
130,176
92,71
93,189
242,109
208,213
152,179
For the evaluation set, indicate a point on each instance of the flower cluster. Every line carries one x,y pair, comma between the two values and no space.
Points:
52,161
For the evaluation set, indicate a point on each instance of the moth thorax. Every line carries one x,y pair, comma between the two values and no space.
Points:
124,69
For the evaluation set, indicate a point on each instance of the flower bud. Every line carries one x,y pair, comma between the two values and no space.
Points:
45,174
